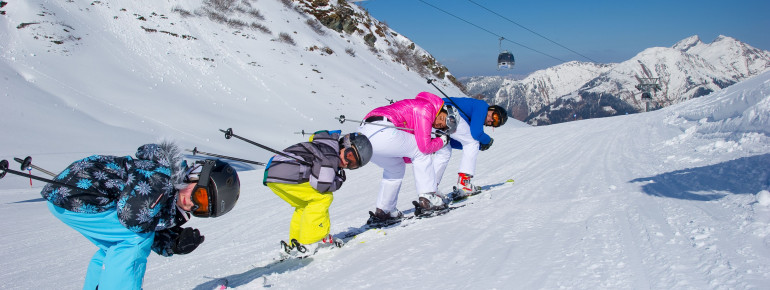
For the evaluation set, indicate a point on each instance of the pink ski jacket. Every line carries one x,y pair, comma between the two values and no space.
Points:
417,114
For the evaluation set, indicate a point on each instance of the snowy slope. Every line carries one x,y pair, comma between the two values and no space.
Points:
662,200
672,199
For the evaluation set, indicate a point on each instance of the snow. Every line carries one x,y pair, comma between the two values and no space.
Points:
672,199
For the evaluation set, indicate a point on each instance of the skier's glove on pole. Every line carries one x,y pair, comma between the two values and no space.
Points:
484,147
341,174
188,240
444,138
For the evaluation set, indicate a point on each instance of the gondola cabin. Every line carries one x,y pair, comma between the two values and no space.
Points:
505,60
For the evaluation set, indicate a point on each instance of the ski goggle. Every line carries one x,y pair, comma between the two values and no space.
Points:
203,192
356,161
495,119
201,201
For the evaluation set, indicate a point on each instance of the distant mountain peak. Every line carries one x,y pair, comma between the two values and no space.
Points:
687,43
577,90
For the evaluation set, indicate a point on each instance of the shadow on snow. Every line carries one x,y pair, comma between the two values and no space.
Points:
276,267
747,175
39,199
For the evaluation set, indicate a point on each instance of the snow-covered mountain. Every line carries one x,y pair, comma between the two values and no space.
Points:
577,90
123,64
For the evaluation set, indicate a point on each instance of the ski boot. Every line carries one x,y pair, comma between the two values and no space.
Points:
464,187
380,218
431,203
327,242
292,249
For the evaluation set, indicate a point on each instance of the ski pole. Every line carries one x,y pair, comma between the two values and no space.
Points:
229,134
342,119
303,133
430,81
195,152
27,163
4,169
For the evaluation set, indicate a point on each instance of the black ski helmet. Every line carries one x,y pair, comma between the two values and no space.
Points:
500,112
223,185
360,145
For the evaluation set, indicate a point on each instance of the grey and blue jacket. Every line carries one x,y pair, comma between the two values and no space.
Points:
323,153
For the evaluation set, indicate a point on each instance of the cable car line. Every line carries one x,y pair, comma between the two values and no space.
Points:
490,32
530,30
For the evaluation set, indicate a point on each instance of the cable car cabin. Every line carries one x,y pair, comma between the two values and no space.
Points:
646,96
505,60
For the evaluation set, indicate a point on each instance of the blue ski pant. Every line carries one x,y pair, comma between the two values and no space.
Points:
121,259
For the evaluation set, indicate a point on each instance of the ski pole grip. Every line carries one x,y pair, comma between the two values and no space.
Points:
228,133
3,168
26,164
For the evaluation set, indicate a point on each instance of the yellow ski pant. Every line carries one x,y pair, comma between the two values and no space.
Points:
310,222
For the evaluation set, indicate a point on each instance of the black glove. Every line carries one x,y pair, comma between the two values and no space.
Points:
187,241
484,147
341,174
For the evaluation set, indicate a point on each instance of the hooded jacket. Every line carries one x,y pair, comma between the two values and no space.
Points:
323,153
143,190
476,111
417,114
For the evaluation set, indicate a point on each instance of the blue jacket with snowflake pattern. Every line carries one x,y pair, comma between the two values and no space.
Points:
142,190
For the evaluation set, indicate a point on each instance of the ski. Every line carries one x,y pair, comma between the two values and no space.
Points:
458,195
352,233
418,214
295,250
421,213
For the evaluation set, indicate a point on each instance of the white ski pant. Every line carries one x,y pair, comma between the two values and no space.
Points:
470,151
390,146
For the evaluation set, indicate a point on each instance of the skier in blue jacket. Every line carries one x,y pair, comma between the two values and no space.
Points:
470,137
129,206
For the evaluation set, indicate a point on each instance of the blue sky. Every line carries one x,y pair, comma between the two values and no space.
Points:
605,31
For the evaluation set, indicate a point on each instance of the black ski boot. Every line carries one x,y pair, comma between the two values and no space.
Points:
429,204
380,218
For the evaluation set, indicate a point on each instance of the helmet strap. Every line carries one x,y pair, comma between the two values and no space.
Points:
204,179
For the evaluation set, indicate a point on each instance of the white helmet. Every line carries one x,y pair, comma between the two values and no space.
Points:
451,119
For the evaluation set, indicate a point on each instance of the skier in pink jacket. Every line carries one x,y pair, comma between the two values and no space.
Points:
400,133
